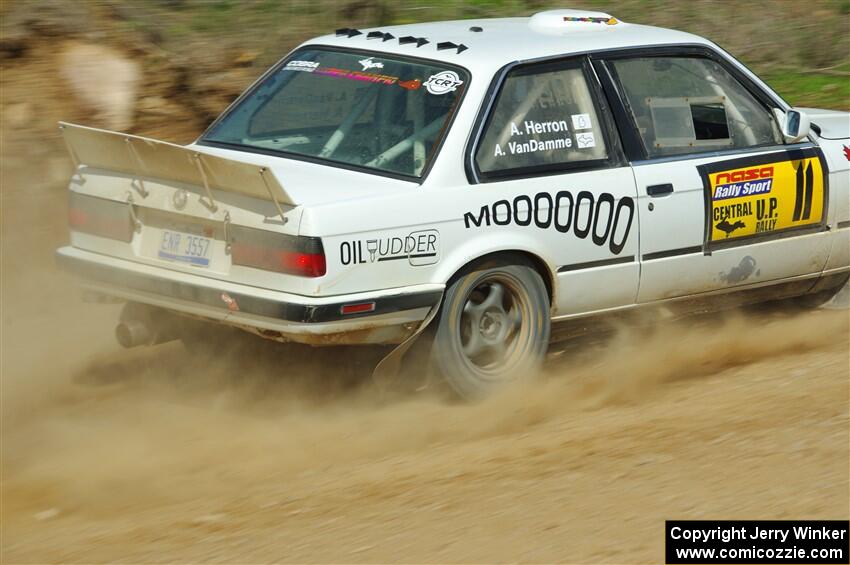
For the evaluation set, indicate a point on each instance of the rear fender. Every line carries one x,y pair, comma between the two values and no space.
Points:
473,248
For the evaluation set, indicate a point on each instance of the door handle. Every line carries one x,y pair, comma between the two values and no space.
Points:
659,189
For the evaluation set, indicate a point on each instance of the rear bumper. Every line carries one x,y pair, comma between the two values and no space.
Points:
317,321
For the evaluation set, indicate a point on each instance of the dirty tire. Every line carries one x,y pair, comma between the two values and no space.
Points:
493,328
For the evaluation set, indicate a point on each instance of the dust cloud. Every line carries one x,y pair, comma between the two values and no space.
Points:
100,443
90,428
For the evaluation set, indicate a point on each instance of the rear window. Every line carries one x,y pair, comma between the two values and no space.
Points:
371,111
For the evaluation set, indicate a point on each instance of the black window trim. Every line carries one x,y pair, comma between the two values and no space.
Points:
722,154
346,166
616,157
632,141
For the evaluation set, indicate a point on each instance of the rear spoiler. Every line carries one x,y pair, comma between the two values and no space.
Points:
142,158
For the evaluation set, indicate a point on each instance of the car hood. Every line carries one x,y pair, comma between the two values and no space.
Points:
313,183
832,124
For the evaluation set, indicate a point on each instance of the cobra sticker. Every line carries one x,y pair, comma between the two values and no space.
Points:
304,66
763,195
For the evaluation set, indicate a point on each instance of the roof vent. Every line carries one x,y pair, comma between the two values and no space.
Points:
419,41
348,32
380,35
450,45
559,21
476,29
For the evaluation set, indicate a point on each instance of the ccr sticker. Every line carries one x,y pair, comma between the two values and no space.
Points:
443,82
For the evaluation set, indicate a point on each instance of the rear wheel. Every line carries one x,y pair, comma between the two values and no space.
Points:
493,328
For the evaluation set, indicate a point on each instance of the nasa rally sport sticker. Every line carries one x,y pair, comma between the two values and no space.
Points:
763,195
443,82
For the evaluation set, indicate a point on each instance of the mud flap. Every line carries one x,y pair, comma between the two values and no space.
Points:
385,374
841,300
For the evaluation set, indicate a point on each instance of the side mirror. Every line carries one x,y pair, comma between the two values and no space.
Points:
795,125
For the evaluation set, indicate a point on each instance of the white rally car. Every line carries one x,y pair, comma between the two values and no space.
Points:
495,176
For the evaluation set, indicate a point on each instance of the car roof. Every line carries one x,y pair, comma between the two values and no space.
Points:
504,40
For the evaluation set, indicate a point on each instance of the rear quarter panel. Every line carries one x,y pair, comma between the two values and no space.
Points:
365,239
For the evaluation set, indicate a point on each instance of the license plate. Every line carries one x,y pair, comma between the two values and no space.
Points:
185,248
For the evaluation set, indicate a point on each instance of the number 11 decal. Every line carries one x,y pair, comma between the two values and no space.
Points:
803,203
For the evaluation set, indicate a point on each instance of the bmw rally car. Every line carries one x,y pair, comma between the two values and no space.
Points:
493,176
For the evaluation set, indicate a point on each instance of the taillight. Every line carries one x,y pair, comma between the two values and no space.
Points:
278,252
99,216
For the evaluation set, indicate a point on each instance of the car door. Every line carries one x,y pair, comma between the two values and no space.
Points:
722,201
553,178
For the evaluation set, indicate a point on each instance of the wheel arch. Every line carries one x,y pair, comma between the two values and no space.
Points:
539,264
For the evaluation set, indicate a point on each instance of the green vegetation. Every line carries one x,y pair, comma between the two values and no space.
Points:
784,42
811,89
800,48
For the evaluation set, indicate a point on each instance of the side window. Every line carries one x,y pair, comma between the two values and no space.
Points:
687,105
541,119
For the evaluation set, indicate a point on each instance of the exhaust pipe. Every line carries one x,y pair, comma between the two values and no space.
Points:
140,324
132,333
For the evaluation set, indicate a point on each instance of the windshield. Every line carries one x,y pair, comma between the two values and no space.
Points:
386,113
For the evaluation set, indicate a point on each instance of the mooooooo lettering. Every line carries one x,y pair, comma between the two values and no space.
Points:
584,215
